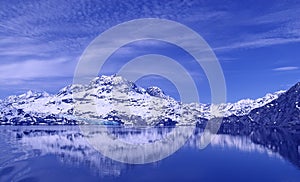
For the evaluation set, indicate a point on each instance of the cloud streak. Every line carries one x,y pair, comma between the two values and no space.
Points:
287,68
258,43
263,29
16,73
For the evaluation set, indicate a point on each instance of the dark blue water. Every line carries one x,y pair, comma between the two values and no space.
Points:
62,153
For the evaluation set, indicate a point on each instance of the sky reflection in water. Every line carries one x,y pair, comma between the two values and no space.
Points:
62,153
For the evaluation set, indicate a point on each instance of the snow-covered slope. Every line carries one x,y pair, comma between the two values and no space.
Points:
244,106
114,100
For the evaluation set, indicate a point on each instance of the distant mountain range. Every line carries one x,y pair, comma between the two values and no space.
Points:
115,100
281,112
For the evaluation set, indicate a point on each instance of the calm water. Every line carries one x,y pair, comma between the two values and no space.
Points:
60,153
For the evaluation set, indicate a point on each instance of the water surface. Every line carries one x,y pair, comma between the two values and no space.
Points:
59,153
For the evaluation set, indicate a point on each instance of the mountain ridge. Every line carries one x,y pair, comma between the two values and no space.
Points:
115,100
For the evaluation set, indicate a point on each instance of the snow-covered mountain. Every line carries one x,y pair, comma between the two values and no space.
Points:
115,100
281,112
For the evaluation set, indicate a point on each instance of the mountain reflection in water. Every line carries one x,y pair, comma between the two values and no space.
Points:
20,145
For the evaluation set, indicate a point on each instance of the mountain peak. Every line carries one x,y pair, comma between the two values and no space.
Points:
108,80
31,94
295,88
155,91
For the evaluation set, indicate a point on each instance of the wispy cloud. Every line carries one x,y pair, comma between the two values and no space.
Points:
16,73
264,42
280,16
260,29
287,68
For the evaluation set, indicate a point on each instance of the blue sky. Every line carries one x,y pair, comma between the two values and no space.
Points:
256,42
